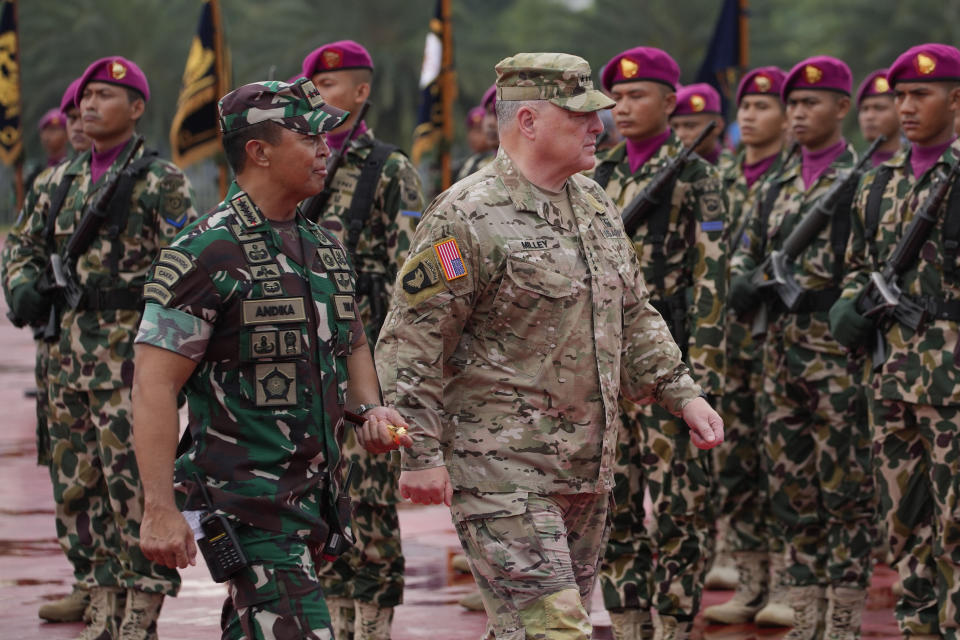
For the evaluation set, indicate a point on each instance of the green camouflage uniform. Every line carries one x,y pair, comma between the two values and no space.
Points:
99,501
271,340
654,448
511,375
813,422
372,571
737,462
915,406
475,162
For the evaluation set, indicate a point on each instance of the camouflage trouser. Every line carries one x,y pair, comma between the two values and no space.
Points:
917,468
371,571
817,444
534,558
43,403
654,451
278,596
97,491
741,479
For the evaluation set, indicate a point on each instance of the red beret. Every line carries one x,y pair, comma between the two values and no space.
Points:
68,101
926,63
337,56
697,98
52,118
874,84
641,63
762,81
822,73
489,100
114,70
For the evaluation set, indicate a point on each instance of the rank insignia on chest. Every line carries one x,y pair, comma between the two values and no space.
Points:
344,307
451,261
256,252
241,235
243,206
273,311
276,384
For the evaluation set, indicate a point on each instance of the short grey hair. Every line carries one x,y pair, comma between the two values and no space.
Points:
507,110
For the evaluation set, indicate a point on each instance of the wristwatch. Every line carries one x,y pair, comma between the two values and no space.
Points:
362,409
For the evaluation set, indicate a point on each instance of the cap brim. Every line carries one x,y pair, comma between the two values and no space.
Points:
591,100
323,119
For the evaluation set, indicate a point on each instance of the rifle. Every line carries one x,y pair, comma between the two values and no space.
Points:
640,207
776,271
61,279
882,298
315,205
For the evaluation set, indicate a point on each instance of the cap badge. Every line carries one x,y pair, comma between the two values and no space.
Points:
880,85
117,70
925,64
311,94
812,74
697,103
762,83
332,58
628,68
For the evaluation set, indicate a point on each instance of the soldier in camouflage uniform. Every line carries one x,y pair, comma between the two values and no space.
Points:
72,607
877,115
740,487
913,394
364,585
482,152
814,436
95,478
519,315
686,273
697,106
252,312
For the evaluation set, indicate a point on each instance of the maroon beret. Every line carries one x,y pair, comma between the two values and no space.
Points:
489,100
114,70
68,101
926,63
822,73
874,84
762,81
475,116
641,63
337,56
697,98
52,118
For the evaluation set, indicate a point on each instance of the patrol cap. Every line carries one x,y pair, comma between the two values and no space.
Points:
641,63
52,118
821,73
695,99
874,84
114,70
296,106
68,101
337,56
489,100
475,117
559,78
930,62
762,81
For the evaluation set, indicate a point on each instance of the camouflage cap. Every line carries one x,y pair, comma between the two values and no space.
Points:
297,106
560,78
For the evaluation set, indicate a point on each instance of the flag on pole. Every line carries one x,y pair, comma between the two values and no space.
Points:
726,56
194,134
433,134
11,130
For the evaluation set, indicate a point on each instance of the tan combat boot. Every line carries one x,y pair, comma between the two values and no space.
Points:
70,608
631,624
808,611
373,622
105,611
669,628
844,609
342,617
751,595
472,601
777,612
723,570
140,615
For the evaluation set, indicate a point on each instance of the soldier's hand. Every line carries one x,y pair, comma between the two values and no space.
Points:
427,486
384,430
706,425
166,538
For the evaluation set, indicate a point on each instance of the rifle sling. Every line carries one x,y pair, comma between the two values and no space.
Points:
118,210
56,203
871,214
951,232
840,232
362,204
605,171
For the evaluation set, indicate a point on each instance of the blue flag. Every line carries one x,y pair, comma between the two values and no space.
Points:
722,60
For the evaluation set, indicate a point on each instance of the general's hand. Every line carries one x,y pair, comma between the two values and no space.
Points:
166,538
427,486
706,425
375,434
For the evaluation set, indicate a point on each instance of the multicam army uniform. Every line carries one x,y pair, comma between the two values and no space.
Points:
815,441
372,571
96,484
270,334
510,334
654,448
915,404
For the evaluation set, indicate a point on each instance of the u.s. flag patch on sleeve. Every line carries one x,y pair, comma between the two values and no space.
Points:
450,259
